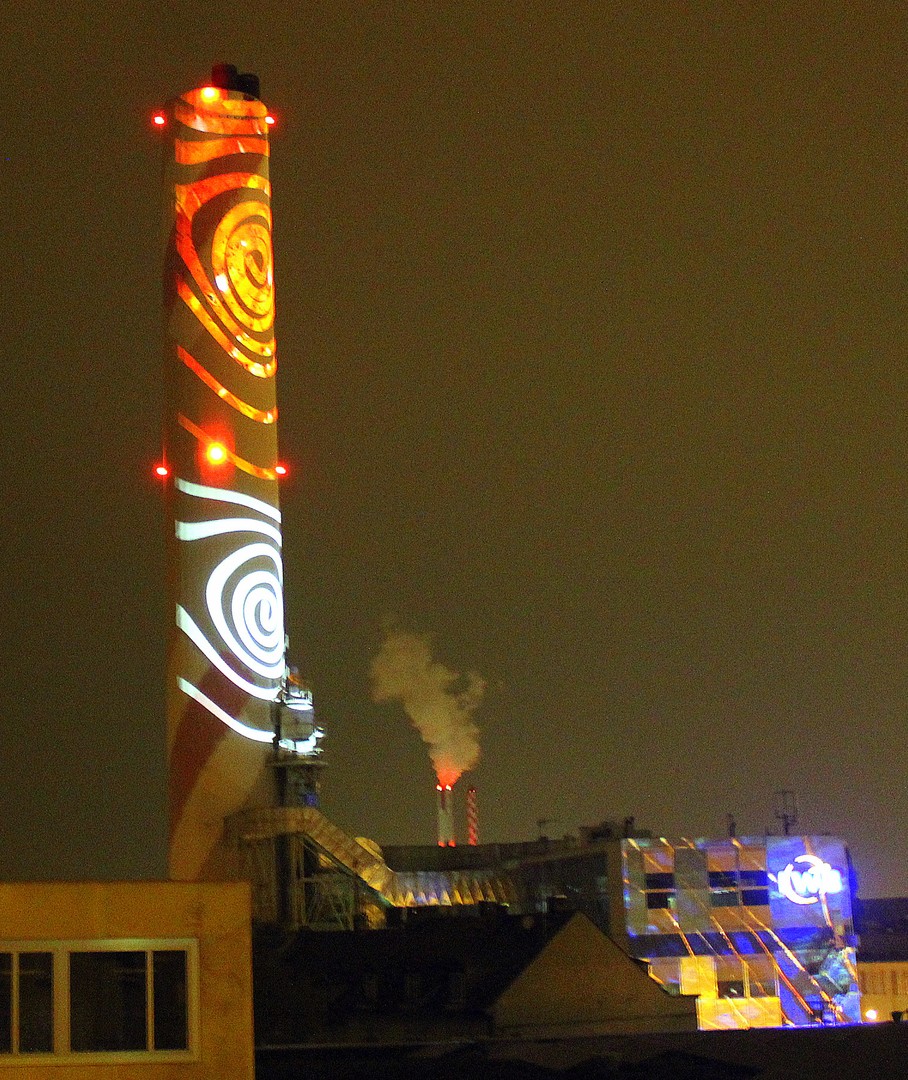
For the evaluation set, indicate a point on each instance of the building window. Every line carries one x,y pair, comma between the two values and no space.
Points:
754,888
660,891
171,1000
723,888
26,998
99,998
728,888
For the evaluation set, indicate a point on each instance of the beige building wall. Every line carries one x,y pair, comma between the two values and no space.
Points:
884,988
583,984
215,918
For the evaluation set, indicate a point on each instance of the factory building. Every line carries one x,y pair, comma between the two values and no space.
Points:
758,928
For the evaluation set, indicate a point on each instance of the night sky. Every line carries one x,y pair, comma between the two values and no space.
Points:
591,328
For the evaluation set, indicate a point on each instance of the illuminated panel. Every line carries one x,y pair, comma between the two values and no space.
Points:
226,656
771,915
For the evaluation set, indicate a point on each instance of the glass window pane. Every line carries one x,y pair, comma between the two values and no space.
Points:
660,881
170,1006
723,879
36,1002
107,1001
6,1003
656,900
724,899
755,897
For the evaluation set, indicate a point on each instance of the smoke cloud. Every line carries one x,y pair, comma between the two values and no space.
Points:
439,702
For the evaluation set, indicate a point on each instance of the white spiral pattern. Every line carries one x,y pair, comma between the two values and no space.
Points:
243,594
245,602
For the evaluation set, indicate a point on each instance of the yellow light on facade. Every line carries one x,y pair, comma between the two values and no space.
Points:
216,453
209,93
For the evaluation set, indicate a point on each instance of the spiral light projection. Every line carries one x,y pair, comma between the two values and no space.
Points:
227,648
244,636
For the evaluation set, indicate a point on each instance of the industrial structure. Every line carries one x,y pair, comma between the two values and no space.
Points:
227,683
758,929
485,939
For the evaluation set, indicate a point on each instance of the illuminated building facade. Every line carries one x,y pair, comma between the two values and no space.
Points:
759,928
226,655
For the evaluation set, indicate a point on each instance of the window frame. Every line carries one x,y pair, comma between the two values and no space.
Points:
660,890
61,950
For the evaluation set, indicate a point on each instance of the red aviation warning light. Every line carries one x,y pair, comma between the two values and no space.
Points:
280,469
270,120
161,471
159,119
216,453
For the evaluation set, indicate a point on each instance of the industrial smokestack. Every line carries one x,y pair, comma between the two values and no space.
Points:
445,816
472,817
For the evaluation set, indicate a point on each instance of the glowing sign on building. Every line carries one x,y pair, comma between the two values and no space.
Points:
760,928
816,880
226,656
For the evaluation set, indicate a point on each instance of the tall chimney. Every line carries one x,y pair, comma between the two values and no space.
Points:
472,817
445,816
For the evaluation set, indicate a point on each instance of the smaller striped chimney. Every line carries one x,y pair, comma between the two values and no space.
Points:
472,817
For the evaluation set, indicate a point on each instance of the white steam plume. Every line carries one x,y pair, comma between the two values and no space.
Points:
439,702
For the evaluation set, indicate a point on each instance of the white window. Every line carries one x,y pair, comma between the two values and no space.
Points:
109,1000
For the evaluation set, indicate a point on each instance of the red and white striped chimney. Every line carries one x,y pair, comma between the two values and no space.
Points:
472,817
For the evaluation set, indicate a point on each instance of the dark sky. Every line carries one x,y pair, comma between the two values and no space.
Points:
591,326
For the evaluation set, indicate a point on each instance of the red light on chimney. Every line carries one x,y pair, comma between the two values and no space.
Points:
216,453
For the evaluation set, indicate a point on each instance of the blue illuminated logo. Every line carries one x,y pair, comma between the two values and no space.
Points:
808,885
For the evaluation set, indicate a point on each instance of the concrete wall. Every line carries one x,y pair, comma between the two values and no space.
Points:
217,916
583,984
